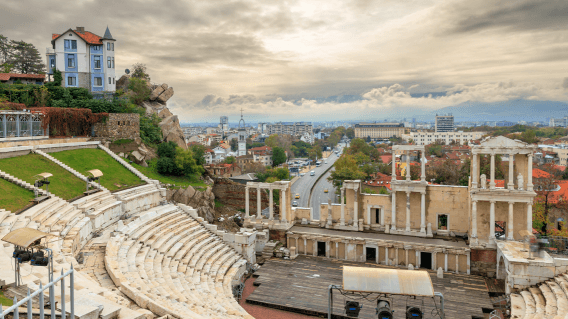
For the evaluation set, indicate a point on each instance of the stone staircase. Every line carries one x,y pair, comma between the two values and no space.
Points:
125,164
21,183
67,168
169,263
547,300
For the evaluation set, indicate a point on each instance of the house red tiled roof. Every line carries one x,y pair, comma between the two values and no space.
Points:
560,194
8,76
560,167
538,173
261,148
386,158
89,37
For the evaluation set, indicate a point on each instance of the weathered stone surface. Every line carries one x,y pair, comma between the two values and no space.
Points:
165,113
166,95
139,158
232,194
172,131
440,272
203,202
159,90
119,126
122,83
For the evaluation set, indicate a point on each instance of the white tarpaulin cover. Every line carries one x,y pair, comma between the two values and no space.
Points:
387,281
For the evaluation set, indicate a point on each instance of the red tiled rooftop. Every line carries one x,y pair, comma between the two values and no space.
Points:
89,37
538,173
8,76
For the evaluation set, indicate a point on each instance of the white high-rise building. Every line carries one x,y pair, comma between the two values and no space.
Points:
242,149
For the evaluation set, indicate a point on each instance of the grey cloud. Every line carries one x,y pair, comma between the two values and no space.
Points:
565,83
534,15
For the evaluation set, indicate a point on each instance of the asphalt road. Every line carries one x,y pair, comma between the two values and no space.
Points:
305,183
319,196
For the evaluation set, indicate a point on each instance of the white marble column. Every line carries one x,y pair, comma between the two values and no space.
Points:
457,264
247,215
423,212
492,220
407,211
492,182
337,249
283,206
468,262
530,168
417,259
386,256
529,217
393,210
474,171
355,210
396,256
258,204
271,204
342,219
434,260
305,246
314,247
510,235
377,255
446,262
406,260
423,167
511,184
407,166
393,164
474,219
327,249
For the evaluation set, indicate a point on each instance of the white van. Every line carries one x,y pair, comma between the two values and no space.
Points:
312,173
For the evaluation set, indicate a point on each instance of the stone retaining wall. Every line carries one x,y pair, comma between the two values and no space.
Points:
119,126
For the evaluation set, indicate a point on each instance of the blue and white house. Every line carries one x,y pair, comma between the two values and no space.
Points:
85,59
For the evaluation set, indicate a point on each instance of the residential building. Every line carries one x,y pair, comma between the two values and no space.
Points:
445,123
224,124
504,123
447,138
562,122
289,128
10,78
561,153
209,154
85,59
307,138
262,155
382,130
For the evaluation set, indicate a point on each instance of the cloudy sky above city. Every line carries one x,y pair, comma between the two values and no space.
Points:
321,60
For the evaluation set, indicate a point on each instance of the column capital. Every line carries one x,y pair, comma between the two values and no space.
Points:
530,154
511,202
474,201
492,201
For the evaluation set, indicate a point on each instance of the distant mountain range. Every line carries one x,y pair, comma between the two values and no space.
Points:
515,110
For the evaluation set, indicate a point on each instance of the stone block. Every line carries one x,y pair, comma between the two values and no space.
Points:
166,95
440,273
157,91
410,267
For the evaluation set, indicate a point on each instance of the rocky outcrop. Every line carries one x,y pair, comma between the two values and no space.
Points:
203,202
171,130
122,83
162,93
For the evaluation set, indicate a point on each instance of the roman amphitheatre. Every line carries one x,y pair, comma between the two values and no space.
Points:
137,255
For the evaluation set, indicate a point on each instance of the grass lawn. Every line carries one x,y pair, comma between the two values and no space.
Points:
5,301
13,196
115,176
179,181
63,183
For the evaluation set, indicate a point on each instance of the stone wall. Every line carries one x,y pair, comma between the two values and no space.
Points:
119,126
233,194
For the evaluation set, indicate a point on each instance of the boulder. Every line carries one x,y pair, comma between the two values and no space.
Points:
166,95
138,158
164,113
171,131
159,90
122,83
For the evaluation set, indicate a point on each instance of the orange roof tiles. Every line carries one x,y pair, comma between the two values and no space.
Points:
8,76
538,173
89,37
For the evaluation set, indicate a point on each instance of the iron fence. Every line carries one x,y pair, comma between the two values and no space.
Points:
51,286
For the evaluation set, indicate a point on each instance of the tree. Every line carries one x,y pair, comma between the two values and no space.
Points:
198,151
234,144
26,58
278,156
139,90
346,168
529,136
57,77
230,160
139,72
186,164
545,187
350,132
167,149
5,50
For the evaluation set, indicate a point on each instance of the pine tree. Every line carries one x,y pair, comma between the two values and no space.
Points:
5,49
26,58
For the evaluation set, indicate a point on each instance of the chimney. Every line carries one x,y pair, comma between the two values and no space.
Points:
80,29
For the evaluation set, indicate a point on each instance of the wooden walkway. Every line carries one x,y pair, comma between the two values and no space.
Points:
301,286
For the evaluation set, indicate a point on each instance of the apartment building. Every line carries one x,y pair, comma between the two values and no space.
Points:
445,123
85,59
378,130
290,128
446,138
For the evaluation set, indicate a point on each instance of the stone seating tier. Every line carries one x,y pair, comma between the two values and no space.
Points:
161,258
546,300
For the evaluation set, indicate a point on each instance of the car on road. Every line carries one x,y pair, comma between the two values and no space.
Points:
295,204
312,173
325,190
297,196
302,174
325,162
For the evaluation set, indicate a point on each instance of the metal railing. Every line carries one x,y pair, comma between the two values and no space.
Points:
51,286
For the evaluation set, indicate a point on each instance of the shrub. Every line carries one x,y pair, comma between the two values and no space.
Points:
139,89
167,149
166,166
185,162
150,131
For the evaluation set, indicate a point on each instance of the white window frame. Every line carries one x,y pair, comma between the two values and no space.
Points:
95,62
100,79
108,62
442,231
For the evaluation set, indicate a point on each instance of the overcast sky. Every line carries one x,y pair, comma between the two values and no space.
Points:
321,60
